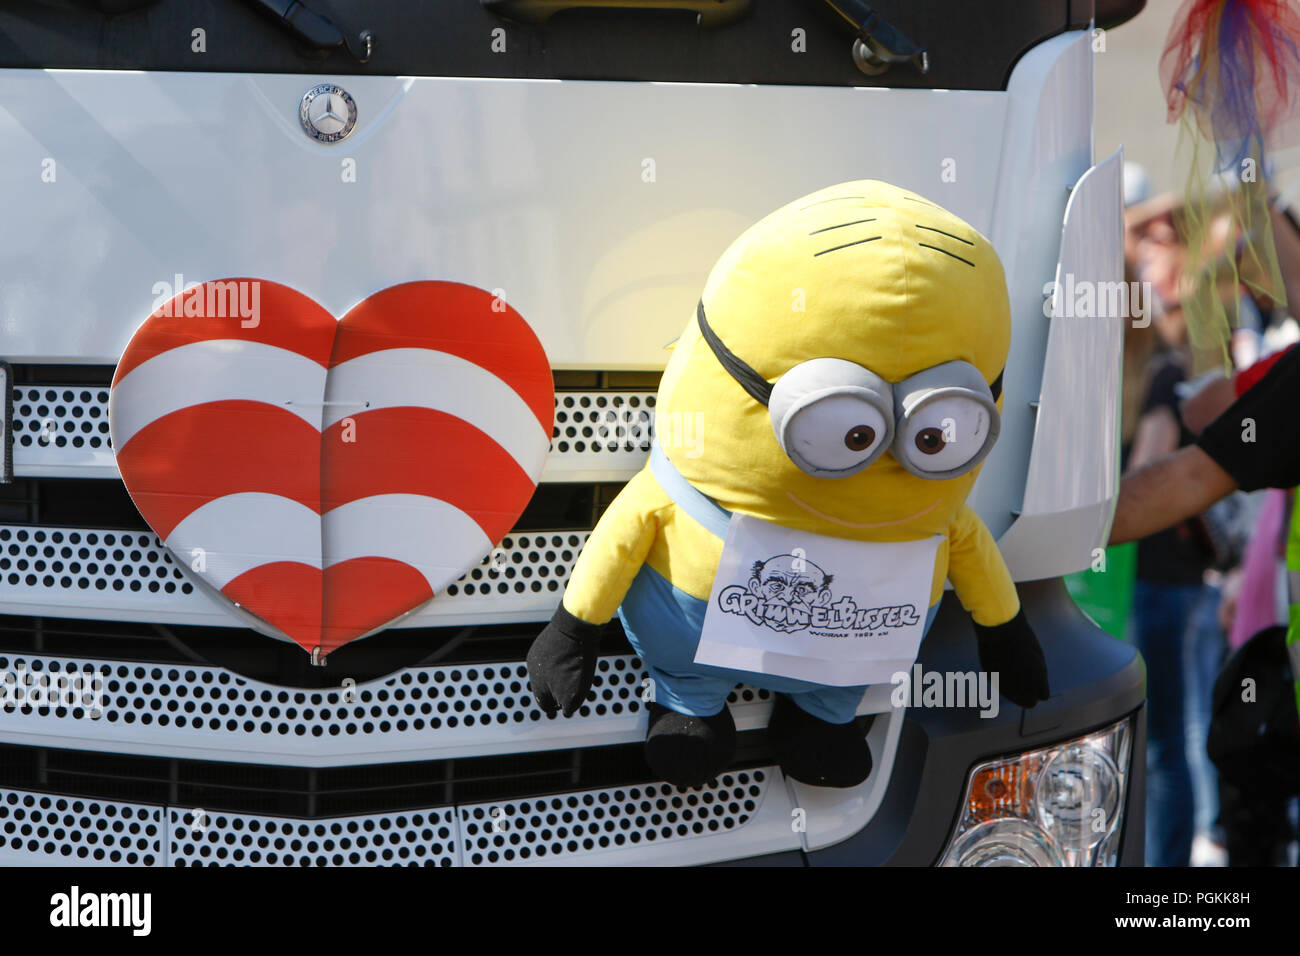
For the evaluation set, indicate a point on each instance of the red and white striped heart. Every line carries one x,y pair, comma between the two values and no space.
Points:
329,476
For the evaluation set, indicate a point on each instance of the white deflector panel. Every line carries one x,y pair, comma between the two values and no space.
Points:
1074,466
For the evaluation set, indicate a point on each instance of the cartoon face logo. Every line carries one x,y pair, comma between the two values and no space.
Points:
793,582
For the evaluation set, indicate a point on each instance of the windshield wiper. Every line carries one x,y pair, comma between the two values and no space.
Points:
878,44
316,31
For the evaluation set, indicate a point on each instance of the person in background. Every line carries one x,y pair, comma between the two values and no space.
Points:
1171,563
1253,444
1254,827
1260,328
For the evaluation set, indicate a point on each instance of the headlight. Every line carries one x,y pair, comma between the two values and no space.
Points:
1061,805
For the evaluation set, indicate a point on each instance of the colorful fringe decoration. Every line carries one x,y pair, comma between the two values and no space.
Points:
1230,71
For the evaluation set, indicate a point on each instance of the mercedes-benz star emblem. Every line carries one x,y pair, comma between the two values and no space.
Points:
328,113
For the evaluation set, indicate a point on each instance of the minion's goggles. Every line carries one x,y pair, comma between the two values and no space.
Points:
833,418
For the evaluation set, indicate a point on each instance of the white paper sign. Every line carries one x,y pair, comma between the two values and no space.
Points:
826,610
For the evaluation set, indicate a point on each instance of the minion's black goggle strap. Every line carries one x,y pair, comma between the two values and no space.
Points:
833,418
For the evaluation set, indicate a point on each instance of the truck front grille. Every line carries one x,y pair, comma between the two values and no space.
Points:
637,822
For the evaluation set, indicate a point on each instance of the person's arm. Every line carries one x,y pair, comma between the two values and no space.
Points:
1208,404
1157,436
1254,444
1166,491
1213,399
1257,440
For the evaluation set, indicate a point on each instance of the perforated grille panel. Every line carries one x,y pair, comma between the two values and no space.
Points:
600,435
415,838
40,827
89,561
62,430
740,814
572,825
61,417
523,565
416,713
129,575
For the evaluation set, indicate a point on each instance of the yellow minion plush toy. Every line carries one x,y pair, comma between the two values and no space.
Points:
818,429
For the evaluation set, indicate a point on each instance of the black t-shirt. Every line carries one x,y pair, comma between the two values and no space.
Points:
1257,440
1176,555
1163,393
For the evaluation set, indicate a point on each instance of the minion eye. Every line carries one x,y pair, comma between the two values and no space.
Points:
945,435
832,418
835,434
947,420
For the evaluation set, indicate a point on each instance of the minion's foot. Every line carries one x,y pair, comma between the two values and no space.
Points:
814,751
689,751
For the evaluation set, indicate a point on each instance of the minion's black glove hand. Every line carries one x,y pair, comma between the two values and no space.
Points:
1012,652
562,663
